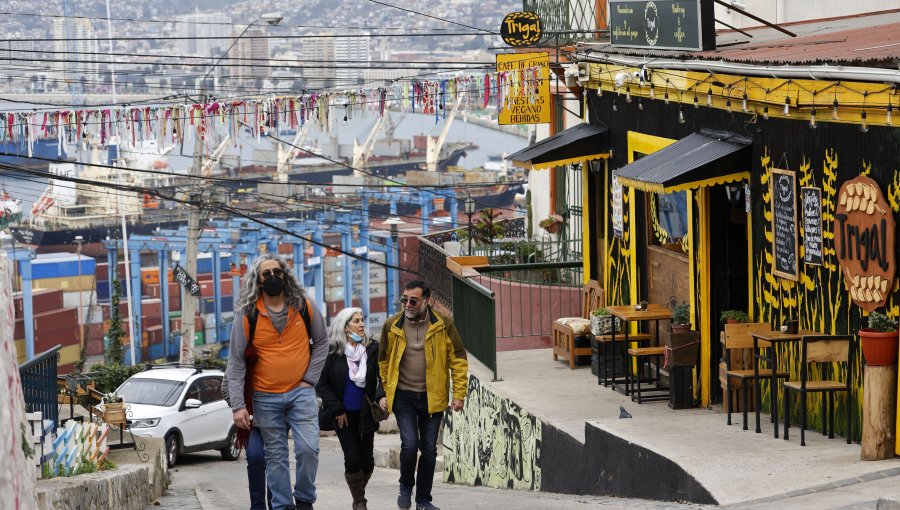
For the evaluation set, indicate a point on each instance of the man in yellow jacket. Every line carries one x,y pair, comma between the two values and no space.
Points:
418,348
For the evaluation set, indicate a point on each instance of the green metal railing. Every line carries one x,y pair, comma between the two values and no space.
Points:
473,312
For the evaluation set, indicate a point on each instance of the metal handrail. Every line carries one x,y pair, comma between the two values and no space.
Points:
39,358
38,377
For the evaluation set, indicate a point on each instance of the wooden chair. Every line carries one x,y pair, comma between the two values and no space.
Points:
821,349
633,382
567,329
737,336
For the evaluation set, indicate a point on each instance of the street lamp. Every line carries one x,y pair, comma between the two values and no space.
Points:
469,207
79,241
189,304
393,284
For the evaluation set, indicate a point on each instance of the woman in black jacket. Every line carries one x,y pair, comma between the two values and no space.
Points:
349,385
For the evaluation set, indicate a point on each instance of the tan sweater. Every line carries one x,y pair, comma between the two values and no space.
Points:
412,364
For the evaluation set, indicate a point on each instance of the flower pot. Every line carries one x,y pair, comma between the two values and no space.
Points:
604,325
681,348
553,228
879,349
680,328
114,412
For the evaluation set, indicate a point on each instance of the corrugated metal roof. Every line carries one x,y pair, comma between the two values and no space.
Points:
872,39
580,141
697,157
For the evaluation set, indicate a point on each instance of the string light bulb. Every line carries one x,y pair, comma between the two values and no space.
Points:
599,90
744,102
652,92
666,95
696,102
812,117
787,106
766,112
728,105
627,94
887,114
680,114
640,104
834,109
709,98
864,125
615,105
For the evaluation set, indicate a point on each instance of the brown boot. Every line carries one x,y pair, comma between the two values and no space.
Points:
357,484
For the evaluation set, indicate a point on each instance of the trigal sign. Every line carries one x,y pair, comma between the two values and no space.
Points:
864,242
521,28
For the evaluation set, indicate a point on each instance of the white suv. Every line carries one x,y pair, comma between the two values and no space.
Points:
184,406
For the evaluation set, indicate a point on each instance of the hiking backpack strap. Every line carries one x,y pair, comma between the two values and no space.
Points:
307,320
251,324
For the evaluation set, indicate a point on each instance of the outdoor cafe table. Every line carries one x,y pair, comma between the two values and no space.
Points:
774,338
626,314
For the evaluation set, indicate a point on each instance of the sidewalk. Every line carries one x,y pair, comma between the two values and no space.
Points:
733,465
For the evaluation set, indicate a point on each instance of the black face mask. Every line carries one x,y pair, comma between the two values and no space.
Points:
273,285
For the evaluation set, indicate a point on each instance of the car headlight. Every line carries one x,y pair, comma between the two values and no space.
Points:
144,423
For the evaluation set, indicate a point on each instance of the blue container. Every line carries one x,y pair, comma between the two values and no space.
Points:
54,265
205,264
103,290
157,351
207,304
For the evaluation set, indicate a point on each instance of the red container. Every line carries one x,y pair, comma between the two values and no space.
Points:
879,349
55,320
103,271
42,300
207,290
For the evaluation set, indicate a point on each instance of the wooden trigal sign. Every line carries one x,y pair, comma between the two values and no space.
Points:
864,242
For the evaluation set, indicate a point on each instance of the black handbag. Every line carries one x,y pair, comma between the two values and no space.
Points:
378,414
326,420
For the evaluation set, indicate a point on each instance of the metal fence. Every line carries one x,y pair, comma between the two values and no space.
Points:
39,384
433,267
529,297
473,312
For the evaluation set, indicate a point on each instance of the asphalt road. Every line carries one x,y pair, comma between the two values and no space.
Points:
205,482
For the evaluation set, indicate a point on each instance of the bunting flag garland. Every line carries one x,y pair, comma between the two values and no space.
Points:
177,122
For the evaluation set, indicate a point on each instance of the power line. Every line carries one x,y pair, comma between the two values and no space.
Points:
432,17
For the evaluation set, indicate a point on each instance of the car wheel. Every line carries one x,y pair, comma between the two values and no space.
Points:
231,452
172,447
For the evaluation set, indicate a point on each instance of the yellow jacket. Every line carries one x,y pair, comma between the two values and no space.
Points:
443,351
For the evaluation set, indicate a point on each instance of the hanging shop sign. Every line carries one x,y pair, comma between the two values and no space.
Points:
618,223
864,242
529,101
662,24
785,262
812,225
521,28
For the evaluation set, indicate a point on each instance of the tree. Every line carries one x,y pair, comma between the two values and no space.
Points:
114,352
486,227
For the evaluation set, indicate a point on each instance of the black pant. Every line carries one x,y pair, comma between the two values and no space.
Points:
418,433
357,446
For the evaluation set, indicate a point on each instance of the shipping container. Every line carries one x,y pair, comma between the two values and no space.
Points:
62,318
103,270
66,283
42,300
61,265
72,299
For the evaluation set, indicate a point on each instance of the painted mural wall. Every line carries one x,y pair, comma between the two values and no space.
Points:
493,443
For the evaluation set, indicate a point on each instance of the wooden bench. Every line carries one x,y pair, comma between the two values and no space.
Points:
567,329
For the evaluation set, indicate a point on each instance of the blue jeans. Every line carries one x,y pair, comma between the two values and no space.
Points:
298,409
256,472
418,433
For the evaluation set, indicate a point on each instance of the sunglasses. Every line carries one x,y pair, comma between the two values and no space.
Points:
410,301
269,272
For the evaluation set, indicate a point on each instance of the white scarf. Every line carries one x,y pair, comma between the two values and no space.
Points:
356,362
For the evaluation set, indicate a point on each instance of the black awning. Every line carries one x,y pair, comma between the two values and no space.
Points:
578,143
700,159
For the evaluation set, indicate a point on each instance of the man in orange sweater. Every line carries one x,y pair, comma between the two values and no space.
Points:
272,378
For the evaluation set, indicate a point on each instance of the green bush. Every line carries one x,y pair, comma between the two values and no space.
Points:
109,377
681,314
882,323
735,315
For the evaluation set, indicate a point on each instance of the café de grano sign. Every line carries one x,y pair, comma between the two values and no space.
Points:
864,242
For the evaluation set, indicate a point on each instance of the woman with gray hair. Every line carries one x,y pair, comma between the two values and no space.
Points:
349,386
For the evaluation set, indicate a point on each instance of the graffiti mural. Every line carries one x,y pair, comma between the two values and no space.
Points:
493,443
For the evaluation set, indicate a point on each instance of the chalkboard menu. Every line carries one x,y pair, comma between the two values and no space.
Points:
812,225
784,224
662,24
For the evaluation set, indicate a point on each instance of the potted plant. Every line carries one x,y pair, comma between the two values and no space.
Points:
603,322
880,340
113,408
681,318
551,223
734,316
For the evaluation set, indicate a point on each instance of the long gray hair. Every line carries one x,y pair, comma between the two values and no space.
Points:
337,332
250,291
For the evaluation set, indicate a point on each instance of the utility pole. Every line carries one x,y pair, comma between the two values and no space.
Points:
189,302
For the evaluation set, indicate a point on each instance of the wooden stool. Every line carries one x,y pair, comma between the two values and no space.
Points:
641,354
606,354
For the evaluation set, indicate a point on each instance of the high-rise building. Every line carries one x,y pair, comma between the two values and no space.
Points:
318,59
351,59
75,45
250,56
197,28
